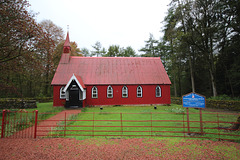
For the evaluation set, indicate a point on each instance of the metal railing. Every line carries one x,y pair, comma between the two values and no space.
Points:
218,126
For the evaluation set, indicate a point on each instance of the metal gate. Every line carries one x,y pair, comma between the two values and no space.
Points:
19,124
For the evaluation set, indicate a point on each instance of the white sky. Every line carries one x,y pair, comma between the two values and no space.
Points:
120,22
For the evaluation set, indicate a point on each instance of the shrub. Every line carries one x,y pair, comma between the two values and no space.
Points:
43,99
224,97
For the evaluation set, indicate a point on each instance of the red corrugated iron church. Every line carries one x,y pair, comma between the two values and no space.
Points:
91,81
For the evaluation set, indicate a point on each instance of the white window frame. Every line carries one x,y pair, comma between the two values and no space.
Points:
109,92
139,91
158,91
62,93
124,92
94,92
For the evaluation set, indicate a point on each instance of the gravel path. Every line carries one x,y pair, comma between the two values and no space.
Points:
116,149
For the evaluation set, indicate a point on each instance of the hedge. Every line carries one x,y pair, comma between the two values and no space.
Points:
42,99
15,103
218,104
18,103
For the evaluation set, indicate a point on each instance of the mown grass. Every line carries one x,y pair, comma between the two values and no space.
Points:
151,123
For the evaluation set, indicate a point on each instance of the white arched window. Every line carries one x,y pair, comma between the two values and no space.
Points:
94,92
124,92
62,93
109,92
158,91
139,91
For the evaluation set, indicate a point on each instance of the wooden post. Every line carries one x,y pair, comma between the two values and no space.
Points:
201,123
188,125
35,127
3,123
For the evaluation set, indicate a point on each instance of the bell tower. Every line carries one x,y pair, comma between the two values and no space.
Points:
66,51
66,46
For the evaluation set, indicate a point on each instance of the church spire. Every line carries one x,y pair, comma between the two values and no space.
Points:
66,46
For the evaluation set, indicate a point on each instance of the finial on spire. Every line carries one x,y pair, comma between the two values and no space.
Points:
67,28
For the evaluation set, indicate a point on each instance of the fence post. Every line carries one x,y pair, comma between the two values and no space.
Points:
65,125
151,123
188,125
3,123
218,127
184,133
93,125
121,123
35,127
201,123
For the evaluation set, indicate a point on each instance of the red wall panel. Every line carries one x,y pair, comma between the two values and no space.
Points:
56,97
148,96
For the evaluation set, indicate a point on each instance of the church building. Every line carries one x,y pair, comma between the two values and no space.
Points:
92,81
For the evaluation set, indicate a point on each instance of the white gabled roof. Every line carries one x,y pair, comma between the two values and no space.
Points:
78,81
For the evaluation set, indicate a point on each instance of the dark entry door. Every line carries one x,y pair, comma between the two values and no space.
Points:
74,97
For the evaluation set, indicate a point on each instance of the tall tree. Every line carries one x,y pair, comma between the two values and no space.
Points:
19,34
151,47
18,29
128,52
53,35
99,51
114,51
203,34
85,52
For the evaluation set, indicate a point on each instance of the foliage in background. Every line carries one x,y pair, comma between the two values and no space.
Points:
200,47
29,51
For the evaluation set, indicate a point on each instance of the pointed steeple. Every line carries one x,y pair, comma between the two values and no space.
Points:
66,46
66,51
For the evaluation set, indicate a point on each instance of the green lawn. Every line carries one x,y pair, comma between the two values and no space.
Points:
165,121
45,110
46,107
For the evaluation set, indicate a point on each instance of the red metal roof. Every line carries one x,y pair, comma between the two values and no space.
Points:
80,81
112,70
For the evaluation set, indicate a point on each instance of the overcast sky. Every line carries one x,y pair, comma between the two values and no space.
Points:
121,22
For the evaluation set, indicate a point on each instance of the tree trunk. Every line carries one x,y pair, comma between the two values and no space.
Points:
191,72
174,84
211,69
189,48
214,90
179,78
